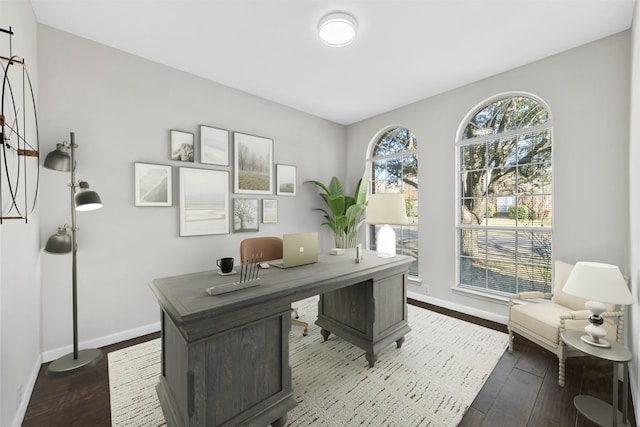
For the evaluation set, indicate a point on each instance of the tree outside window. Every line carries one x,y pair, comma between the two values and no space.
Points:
394,160
505,197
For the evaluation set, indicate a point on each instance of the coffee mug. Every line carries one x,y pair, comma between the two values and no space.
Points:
225,264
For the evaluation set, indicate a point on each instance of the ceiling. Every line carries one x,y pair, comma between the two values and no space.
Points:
405,50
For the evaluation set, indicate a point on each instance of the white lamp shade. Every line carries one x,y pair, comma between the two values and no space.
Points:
386,208
598,282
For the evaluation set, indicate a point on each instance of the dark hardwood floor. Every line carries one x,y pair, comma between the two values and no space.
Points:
521,391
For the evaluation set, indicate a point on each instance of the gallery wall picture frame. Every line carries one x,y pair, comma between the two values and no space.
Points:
285,180
182,146
153,185
204,201
245,215
214,146
269,211
253,164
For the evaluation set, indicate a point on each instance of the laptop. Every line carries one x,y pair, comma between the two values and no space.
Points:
298,249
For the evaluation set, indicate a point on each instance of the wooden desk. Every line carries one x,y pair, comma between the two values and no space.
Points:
225,358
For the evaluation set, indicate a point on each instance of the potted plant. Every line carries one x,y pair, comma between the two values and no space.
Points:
345,214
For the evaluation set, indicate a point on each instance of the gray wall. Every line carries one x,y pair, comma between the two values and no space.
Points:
19,253
634,208
121,108
587,90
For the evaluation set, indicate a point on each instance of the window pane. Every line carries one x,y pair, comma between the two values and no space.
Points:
506,185
395,170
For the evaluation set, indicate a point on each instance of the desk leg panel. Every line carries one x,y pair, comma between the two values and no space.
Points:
236,376
370,314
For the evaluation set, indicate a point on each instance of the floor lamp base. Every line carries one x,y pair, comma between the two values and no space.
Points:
67,365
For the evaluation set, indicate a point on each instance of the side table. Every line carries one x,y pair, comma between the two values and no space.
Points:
593,409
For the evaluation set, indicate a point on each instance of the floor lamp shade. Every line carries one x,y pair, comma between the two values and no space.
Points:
599,283
386,208
61,242
58,159
87,199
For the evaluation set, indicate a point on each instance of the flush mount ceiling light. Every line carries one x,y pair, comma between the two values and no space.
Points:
337,29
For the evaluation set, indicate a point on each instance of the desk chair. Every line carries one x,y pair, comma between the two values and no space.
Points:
270,248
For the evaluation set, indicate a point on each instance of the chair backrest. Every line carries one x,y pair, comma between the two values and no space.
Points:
269,247
562,272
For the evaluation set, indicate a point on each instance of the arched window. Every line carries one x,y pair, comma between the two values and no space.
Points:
505,192
394,169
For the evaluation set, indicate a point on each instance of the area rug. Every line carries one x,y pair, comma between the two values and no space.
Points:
431,381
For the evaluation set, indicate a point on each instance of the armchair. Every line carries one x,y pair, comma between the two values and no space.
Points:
542,321
270,248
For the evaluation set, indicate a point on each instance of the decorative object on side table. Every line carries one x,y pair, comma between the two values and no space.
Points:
64,241
599,283
386,208
594,409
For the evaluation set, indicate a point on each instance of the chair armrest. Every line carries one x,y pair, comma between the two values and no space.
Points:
528,295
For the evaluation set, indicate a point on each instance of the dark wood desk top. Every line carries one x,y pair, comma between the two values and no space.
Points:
185,299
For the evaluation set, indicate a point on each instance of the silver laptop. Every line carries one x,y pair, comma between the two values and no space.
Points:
298,249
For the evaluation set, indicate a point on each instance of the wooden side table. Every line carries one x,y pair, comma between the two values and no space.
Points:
593,409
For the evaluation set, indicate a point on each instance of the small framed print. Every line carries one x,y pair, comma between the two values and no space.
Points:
252,164
182,146
153,185
214,146
204,202
245,215
269,211
286,180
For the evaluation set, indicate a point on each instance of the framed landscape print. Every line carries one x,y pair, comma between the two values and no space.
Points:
286,180
245,215
253,164
269,211
214,146
204,202
182,146
153,185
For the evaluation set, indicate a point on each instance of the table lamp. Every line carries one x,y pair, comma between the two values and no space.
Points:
599,283
386,208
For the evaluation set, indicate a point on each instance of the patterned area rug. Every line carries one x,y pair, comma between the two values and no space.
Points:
431,381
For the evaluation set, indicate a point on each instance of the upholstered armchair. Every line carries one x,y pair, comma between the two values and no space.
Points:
540,320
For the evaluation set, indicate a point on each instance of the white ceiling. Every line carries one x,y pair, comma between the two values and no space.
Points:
405,50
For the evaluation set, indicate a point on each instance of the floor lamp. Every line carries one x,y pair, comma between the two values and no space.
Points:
64,241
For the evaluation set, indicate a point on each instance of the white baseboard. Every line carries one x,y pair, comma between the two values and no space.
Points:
49,355
458,307
21,411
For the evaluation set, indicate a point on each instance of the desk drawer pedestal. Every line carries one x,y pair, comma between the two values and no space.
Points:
238,375
369,317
